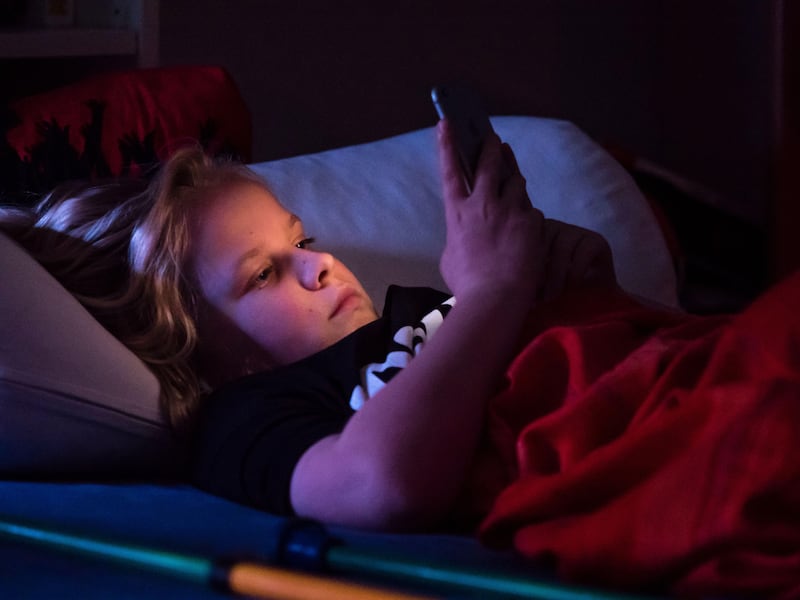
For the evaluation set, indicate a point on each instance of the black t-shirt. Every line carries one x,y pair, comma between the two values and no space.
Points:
253,431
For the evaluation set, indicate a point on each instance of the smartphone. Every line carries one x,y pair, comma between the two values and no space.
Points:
463,108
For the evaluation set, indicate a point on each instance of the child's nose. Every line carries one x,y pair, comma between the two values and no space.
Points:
313,268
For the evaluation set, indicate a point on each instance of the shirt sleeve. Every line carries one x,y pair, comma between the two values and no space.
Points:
249,443
253,431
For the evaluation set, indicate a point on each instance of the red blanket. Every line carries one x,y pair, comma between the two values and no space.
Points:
642,449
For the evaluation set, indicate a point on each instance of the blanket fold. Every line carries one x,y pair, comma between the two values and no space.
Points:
642,449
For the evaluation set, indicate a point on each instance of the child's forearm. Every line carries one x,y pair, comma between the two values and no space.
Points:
402,459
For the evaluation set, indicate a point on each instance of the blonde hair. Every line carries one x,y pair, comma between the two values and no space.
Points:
121,248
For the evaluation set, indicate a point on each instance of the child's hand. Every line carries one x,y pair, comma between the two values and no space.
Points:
495,237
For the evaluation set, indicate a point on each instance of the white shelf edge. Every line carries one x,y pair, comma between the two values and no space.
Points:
68,42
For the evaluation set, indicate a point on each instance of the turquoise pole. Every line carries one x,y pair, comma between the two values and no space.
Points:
248,578
337,557
498,583
192,568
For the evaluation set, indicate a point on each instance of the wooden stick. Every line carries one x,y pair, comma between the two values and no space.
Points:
260,581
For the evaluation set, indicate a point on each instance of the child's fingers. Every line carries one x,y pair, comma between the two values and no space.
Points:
489,175
514,192
449,166
510,159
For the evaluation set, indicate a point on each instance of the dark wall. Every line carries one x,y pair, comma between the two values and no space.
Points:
687,84
323,74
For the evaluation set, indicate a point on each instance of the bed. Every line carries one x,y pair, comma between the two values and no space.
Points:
85,449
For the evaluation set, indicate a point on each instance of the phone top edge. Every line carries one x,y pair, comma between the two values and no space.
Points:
435,97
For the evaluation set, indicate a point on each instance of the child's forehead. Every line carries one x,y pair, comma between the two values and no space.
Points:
246,207
242,195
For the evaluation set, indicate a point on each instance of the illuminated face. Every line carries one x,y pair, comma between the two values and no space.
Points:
268,299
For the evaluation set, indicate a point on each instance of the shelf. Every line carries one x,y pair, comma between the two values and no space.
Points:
67,42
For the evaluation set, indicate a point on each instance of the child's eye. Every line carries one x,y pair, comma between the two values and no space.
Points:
306,243
262,276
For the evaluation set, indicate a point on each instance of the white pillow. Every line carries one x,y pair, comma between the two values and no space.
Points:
378,207
74,401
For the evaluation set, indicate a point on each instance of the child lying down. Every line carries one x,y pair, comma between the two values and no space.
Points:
538,405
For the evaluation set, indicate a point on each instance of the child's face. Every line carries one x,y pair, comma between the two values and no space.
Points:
269,299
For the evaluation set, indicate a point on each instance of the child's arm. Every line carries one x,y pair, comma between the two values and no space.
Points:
402,459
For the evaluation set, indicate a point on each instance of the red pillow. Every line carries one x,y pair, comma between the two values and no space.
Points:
121,122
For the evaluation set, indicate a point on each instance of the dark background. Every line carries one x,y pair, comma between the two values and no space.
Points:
700,95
